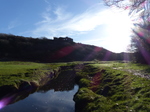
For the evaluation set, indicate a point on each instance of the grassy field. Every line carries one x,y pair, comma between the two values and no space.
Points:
122,65
11,73
107,87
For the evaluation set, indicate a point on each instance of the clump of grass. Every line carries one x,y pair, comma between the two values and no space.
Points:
84,82
87,101
86,72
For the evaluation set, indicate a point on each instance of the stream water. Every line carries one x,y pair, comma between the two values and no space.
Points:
50,101
56,96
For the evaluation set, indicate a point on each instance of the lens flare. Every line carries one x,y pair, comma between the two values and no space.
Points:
4,102
1,104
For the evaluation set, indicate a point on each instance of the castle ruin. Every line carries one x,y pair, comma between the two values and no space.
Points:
62,39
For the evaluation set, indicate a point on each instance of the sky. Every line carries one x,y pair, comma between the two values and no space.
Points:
86,21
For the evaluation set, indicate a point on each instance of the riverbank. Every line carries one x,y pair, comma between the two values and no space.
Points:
108,87
19,76
60,82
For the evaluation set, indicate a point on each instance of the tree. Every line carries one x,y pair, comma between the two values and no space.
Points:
135,6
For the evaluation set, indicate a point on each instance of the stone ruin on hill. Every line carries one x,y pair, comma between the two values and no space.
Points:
60,39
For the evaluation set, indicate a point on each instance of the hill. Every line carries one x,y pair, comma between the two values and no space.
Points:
62,49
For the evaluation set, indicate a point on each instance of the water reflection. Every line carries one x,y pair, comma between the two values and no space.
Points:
60,101
55,96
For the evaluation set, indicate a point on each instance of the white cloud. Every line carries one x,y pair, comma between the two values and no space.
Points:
85,22
59,22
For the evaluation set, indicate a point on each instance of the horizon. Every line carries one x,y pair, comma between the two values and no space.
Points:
88,22
62,37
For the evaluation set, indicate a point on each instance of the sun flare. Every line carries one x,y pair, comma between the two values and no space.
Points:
119,27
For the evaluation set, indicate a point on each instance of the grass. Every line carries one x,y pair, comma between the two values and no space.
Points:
123,66
13,72
115,89
8,68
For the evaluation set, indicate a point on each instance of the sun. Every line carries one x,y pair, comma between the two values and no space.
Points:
119,26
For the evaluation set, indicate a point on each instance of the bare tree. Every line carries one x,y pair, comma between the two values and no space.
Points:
138,8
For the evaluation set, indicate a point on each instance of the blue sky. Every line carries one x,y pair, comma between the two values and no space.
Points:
86,21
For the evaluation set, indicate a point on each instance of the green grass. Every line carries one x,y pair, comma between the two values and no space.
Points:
9,68
115,89
123,66
13,72
88,101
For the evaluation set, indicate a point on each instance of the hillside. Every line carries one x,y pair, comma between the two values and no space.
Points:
62,49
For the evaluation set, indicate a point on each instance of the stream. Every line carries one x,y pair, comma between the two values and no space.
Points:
56,96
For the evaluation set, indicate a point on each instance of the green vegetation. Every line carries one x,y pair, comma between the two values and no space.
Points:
88,101
14,72
108,87
123,66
